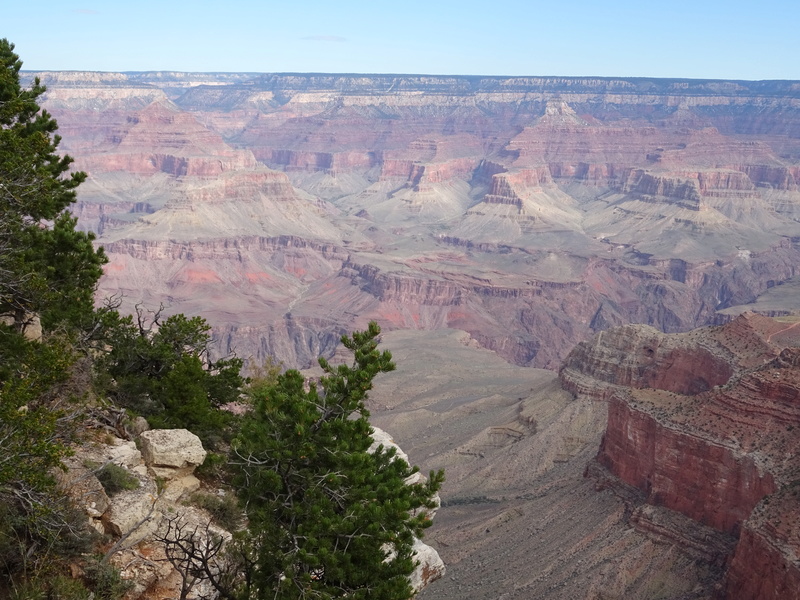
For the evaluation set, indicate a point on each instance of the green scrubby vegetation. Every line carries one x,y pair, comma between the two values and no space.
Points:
115,479
326,518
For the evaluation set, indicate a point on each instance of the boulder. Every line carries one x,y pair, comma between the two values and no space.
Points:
179,488
133,513
124,453
83,487
430,566
144,567
172,453
138,426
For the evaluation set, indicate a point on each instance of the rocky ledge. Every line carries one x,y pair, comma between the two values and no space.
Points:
706,424
140,493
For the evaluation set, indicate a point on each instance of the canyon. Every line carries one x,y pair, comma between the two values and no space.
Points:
530,212
651,466
539,253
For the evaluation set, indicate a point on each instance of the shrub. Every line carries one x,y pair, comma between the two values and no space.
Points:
104,580
224,510
116,479
214,469
66,588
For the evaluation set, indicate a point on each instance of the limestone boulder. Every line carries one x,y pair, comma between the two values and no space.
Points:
144,567
180,488
83,487
133,513
430,566
171,453
124,453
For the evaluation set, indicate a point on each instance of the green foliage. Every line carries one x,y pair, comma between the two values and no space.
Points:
214,469
67,267
39,533
66,588
104,580
263,377
101,582
160,369
29,372
116,479
224,510
327,518
50,270
48,586
35,186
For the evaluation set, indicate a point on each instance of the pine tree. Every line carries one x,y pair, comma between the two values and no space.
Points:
46,266
160,368
49,269
327,518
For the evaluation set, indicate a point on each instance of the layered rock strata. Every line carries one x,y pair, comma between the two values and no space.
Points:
531,212
705,424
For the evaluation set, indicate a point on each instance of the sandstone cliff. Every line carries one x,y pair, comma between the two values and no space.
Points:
531,212
519,520
705,424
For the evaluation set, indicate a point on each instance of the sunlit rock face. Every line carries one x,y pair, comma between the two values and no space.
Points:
723,453
161,483
530,212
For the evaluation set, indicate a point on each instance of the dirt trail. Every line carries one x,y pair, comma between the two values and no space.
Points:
793,325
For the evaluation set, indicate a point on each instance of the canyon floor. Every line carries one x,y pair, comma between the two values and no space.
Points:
519,519
490,226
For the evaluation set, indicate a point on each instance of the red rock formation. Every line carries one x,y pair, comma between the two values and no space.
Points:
639,357
505,186
295,160
160,138
698,477
725,457
765,564
779,178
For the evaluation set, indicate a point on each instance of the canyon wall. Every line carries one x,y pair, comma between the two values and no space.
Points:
531,212
723,453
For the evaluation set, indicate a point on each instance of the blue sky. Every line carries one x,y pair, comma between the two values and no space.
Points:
701,39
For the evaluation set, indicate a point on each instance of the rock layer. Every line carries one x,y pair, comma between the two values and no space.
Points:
531,212
723,454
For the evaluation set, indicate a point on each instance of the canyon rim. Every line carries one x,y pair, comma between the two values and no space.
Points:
504,228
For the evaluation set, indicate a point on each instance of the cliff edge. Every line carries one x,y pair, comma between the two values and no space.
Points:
706,424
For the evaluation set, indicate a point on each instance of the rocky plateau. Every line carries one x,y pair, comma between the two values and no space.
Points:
539,252
530,212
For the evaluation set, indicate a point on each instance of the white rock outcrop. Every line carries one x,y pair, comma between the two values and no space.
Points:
430,565
126,454
133,513
83,487
171,453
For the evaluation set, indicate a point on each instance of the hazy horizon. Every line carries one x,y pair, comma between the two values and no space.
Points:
705,39
365,74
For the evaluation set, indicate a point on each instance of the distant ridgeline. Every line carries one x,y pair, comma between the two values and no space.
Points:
531,212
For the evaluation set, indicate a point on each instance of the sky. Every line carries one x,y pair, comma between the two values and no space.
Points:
705,39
